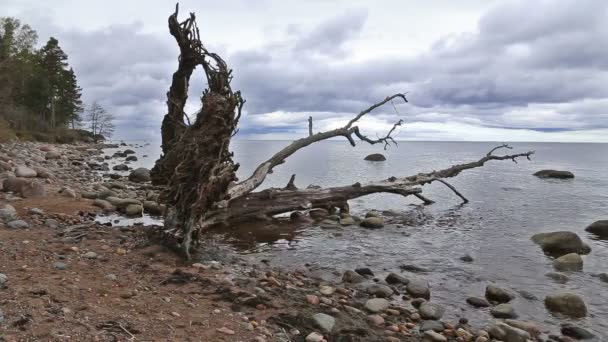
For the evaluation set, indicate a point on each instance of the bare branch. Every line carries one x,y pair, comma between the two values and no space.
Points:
464,199
309,125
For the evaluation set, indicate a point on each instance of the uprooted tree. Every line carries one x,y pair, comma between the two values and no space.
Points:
196,167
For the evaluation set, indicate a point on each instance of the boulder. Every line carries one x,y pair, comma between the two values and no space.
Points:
131,158
566,303
25,172
120,167
576,332
554,174
561,243
513,334
558,277
154,208
568,262
432,325
318,213
379,290
42,172
498,294
128,152
531,327
372,222
419,288
348,221
375,157
599,228
104,205
13,184
140,175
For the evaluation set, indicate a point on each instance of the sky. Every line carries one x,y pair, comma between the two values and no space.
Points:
473,70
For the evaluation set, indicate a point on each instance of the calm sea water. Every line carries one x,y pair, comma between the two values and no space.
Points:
508,205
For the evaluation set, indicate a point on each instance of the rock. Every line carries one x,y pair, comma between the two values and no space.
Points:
375,157
225,331
561,243
379,290
314,337
503,311
530,327
42,172
154,208
373,213
599,228
466,258
324,322
419,288
90,255
352,277
104,205
127,151
464,335
431,325
52,155
554,174
88,194
576,332
566,303
120,167
364,271
434,336
372,222
478,302
33,189
496,332
431,311
512,334
131,158
376,305
13,184
393,278
318,213
25,172
348,221
376,319
603,277
327,290
7,213
568,262
60,266
17,224
312,299
69,193
3,279
558,277
35,211
498,294
140,175
134,210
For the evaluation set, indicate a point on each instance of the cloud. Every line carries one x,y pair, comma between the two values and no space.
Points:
529,69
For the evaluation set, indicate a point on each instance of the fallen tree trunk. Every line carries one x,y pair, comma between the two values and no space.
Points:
202,188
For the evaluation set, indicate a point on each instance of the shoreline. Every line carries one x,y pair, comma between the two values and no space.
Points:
115,282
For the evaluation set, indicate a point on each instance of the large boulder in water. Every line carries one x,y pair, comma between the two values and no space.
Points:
561,243
599,228
140,175
566,303
554,174
375,157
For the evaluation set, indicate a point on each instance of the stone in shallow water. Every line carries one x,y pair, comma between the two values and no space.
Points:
558,277
568,262
478,302
431,311
352,277
498,294
554,174
576,332
503,311
599,228
372,222
431,325
394,278
419,288
561,243
566,303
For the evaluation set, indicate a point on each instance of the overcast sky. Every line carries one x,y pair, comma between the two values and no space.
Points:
497,70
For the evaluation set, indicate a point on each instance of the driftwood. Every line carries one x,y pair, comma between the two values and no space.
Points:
197,167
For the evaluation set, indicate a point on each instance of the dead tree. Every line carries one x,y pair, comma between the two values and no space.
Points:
197,167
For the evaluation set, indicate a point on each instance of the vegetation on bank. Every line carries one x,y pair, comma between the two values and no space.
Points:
40,98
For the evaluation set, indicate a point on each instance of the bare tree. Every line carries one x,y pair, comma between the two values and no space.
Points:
200,175
101,123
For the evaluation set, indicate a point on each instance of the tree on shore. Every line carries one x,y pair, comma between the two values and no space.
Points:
38,89
100,122
196,167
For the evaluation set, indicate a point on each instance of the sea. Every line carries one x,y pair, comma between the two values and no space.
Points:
507,206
